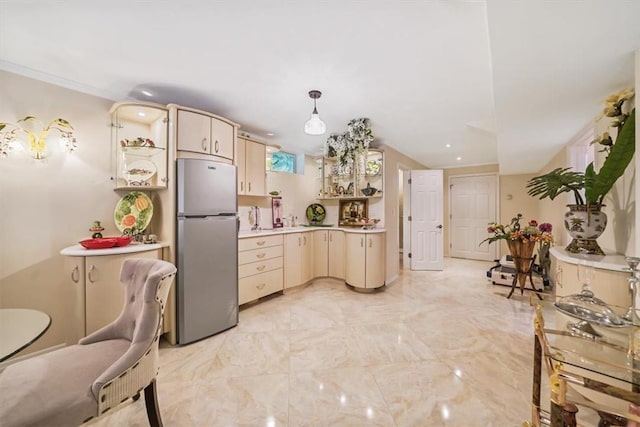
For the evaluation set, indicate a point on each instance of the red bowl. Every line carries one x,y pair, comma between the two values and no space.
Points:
99,243
121,240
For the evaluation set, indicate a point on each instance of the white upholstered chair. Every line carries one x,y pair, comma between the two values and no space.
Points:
72,385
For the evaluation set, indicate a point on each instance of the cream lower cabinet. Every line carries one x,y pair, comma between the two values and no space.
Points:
98,278
260,267
609,285
320,253
336,261
365,264
298,258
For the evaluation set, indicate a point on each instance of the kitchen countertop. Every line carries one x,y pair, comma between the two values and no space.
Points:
264,232
78,250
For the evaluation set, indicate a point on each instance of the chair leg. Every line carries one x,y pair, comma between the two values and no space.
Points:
151,402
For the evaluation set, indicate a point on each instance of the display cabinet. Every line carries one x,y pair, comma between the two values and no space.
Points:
139,140
357,180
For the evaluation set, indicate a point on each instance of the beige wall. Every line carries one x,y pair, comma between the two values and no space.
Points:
513,199
296,191
620,234
51,204
394,160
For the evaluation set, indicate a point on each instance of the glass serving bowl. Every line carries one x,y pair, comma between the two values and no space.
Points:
585,306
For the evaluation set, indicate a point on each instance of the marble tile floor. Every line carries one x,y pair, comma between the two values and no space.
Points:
441,348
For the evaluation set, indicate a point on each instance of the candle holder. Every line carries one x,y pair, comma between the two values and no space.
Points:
631,315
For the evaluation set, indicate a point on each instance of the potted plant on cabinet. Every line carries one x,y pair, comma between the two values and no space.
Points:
585,220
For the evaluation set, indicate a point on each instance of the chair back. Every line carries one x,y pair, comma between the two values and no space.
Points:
147,283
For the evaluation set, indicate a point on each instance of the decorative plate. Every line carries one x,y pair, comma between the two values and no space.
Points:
373,167
316,213
139,172
133,213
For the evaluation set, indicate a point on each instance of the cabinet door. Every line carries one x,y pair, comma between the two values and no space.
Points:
321,253
610,286
138,162
194,132
306,272
356,263
255,168
375,265
104,292
74,278
240,161
221,139
292,260
336,254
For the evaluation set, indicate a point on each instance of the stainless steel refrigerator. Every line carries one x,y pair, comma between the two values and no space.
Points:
207,249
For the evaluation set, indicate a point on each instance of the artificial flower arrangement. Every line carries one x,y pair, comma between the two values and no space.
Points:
351,146
532,232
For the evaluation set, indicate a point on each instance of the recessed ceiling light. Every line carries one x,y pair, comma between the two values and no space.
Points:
146,92
269,134
141,114
458,158
448,145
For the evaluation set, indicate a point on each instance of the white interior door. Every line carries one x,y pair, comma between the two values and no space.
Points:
472,208
426,220
406,224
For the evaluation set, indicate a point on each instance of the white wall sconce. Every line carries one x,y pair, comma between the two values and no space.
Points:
31,135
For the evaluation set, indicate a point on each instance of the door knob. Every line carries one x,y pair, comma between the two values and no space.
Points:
439,226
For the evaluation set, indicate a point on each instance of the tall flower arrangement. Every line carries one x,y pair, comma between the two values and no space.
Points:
350,147
514,231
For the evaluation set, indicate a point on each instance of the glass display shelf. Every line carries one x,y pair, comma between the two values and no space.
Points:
352,181
139,139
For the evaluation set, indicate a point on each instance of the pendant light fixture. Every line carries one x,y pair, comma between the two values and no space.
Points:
315,126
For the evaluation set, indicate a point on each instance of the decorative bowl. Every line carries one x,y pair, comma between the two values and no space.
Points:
369,190
122,240
103,243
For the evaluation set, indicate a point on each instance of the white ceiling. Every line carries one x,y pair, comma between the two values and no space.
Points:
501,81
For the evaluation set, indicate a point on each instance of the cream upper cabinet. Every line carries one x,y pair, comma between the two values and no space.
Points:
298,258
365,264
336,261
222,136
204,134
321,253
194,132
251,163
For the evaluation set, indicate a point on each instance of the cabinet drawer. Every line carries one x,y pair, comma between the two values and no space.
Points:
259,285
259,242
257,255
259,267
